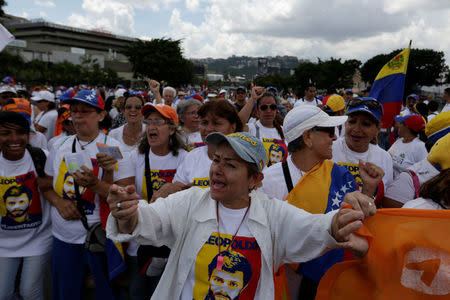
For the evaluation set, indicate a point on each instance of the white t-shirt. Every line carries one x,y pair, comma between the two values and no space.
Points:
273,143
342,155
203,279
402,189
421,203
113,112
73,231
431,116
29,233
405,112
404,155
274,184
303,101
195,168
48,120
446,107
117,134
38,140
56,140
162,170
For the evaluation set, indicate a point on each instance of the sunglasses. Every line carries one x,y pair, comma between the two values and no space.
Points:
156,122
137,107
265,107
371,104
329,130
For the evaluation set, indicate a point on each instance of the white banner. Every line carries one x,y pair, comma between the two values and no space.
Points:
5,37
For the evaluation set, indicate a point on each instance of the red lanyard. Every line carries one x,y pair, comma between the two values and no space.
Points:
220,257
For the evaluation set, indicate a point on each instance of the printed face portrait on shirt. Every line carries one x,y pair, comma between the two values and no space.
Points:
17,201
69,188
276,154
231,279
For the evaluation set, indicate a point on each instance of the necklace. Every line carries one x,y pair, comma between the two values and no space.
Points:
84,146
220,257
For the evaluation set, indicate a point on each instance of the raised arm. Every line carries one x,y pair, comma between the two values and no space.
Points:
246,111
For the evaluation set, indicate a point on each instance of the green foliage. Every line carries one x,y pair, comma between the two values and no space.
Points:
160,59
65,73
328,74
425,67
277,80
2,3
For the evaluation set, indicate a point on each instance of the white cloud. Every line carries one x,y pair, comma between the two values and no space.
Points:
42,14
311,29
113,16
192,4
48,4
24,15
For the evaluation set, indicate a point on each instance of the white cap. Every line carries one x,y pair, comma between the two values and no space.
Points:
119,93
304,117
44,95
222,92
212,95
6,88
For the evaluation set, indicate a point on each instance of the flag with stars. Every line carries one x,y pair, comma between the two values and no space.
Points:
320,190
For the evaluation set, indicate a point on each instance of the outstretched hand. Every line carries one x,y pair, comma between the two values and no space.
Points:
123,203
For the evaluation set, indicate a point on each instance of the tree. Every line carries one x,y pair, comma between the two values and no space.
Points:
2,3
425,67
328,74
160,59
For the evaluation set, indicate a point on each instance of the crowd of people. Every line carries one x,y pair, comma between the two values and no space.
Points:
185,194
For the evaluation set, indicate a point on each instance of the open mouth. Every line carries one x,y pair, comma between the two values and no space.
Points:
356,138
217,185
15,147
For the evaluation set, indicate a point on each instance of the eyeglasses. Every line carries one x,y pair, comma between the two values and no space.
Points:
137,107
265,107
156,122
82,112
191,113
371,104
329,130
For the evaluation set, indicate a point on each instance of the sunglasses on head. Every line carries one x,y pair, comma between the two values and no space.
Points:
265,106
329,130
371,104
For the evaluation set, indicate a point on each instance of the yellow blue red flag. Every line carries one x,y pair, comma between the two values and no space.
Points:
389,86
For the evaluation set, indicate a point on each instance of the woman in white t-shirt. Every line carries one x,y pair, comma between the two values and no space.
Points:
71,215
227,241
25,227
129,133
408,149
434,194
361,128
215,116
155,163
46,120
187,111
268,127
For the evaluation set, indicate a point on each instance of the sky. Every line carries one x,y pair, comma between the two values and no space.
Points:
308,29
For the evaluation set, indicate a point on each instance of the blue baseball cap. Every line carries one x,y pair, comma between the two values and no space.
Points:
349,91
90,97
67,95
247,146
368,105
414,96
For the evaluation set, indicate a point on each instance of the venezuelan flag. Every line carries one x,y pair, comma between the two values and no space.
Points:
408,258
389,86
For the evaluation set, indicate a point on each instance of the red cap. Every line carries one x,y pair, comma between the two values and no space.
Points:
415,122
